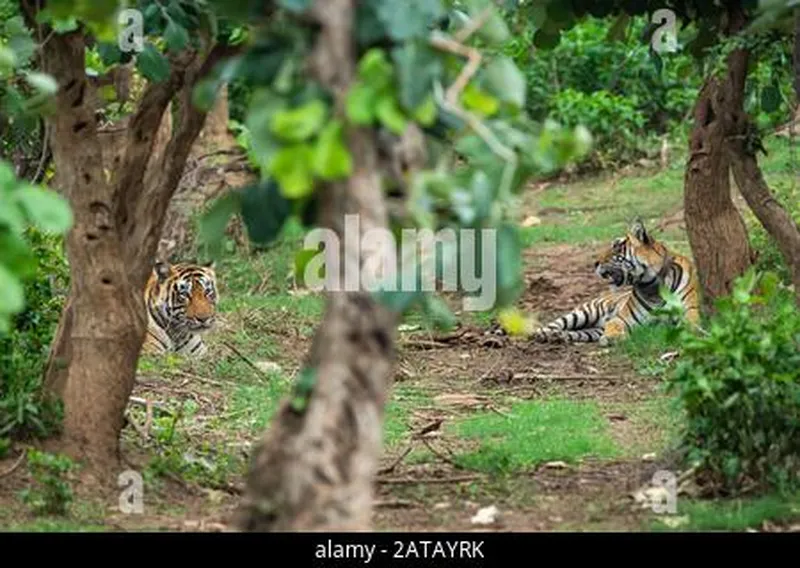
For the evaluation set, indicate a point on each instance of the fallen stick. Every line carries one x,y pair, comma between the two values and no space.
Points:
393,504
538,377
152,404
428,480
390,468
14,467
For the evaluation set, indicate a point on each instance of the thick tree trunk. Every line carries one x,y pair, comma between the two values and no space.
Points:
104,317
775,219
314,469
118,218
716,230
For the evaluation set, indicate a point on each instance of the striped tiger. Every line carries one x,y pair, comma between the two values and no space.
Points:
181,302
643,264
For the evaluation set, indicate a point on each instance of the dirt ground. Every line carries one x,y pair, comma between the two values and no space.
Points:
469,370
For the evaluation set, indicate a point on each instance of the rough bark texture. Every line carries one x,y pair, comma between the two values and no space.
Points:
104,318
216,164
775,219
717,233
118,217
314,470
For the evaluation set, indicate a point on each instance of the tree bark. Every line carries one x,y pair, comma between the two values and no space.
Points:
717,233
775,219
104,317
314,469
118,217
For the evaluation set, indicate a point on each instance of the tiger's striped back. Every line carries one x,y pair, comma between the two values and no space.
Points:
642,265
181,301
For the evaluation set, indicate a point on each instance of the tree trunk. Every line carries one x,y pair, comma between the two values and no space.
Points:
716,230
110,248
314,469
775,219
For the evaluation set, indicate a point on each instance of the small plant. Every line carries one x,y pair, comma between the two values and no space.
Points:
53,494
739,384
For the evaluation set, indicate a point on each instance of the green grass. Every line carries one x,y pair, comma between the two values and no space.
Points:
735,514
536,432
53,525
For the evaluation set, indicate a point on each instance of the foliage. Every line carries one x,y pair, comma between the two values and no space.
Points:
770,258
52,494
23,94
739,384
299,143
23,351
617,124
605,51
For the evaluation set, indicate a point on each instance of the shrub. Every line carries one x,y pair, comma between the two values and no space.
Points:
51,494
614,121
23,352
739,384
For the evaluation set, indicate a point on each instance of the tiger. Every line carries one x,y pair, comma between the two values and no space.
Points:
642,265
181,301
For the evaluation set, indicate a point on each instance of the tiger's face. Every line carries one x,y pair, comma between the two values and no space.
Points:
633,259
187,294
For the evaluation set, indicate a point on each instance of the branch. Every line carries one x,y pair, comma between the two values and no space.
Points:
450,99
148,198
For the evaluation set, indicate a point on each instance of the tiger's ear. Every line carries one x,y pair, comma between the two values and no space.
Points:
163,270
212,264
638,231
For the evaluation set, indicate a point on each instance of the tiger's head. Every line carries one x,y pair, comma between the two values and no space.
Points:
186,293
635,259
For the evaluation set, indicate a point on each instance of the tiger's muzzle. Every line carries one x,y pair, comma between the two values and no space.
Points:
610,272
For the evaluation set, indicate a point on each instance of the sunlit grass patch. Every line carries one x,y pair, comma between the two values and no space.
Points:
536,432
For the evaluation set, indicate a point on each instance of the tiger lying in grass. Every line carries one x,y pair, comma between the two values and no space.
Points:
639,261
181,301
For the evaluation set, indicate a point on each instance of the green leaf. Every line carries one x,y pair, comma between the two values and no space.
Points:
770,98
505,81
332,159
264,105
418,66
204,94
45,208
291,168
438,312
390,114
109,53
152,64
301,260
299,123
264,211
8,60
65,25
42,82
494,30
406,19
296,6
375,70
426,112
360,104
215,220
479,101
509,264
12,293
176,36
